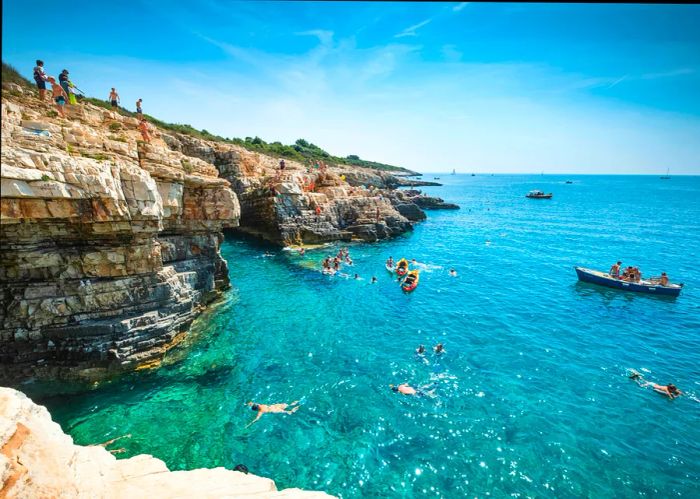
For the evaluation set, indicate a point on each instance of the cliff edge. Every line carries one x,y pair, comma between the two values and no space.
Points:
109,245
38,460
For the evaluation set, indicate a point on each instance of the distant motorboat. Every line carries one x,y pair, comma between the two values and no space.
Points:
473,174
436,178
667,176
569,182
536,194
454,172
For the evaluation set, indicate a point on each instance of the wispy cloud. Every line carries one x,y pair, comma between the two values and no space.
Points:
619,80
324,36
411,30
459,6
668,74
450,53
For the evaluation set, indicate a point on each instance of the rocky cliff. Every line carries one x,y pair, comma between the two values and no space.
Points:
38,460
301,204
109,246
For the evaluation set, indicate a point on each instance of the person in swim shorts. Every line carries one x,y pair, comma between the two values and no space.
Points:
114,98
59,96
406,389
40,78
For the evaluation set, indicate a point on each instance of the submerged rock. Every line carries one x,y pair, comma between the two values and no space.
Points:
38,460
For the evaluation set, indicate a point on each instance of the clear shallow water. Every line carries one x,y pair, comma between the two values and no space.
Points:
532,397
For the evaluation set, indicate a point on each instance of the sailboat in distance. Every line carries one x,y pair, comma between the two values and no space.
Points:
454,172
667,176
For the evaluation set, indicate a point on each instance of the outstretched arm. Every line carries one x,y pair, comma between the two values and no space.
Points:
260,413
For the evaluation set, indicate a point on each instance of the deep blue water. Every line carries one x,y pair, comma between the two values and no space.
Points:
532,398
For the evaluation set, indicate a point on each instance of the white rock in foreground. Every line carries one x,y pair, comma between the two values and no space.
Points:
38,460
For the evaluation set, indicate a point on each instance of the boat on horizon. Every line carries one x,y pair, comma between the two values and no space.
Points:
667,176
569,182
454,172
537,194
648,286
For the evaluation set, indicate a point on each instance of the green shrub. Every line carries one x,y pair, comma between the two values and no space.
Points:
51,113
187,166
115,126
97,156
45,178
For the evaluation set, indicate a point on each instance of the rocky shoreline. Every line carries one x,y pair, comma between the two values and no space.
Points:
38,460
110,245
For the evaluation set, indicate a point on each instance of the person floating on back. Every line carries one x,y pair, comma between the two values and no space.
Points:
59,96
272,408
40,78
114,98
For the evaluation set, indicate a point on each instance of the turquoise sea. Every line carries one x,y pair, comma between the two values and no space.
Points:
531,395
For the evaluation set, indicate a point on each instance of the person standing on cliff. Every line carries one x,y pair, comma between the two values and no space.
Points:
143,128
40,78
60,96
139,111
282,165
114,98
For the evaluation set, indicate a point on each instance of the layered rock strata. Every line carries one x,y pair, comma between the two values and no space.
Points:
109,246
38,460
301,204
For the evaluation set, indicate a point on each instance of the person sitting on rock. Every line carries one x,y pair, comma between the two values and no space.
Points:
272,408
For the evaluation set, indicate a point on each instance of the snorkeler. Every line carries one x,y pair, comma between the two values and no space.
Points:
669,390
453,273
272,408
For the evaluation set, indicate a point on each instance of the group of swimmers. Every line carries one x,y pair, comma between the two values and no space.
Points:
332,264
633,274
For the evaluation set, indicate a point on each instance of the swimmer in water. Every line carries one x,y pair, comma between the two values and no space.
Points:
374,279
453,272
669,390
302,251
272,408
439,349
406,389
420,350
357,276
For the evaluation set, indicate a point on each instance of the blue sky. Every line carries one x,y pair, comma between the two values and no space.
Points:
577,88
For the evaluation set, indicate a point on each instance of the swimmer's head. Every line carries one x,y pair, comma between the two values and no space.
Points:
672,388
394,388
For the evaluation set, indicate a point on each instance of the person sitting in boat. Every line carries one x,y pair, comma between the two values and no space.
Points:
664,279
637,274
615,270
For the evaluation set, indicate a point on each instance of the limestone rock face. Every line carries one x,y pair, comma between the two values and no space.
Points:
301,204
110,246
38,460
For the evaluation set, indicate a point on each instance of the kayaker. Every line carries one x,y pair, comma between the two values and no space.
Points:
615,270
272,408
664,279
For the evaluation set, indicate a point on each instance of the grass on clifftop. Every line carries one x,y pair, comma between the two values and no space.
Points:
301,150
